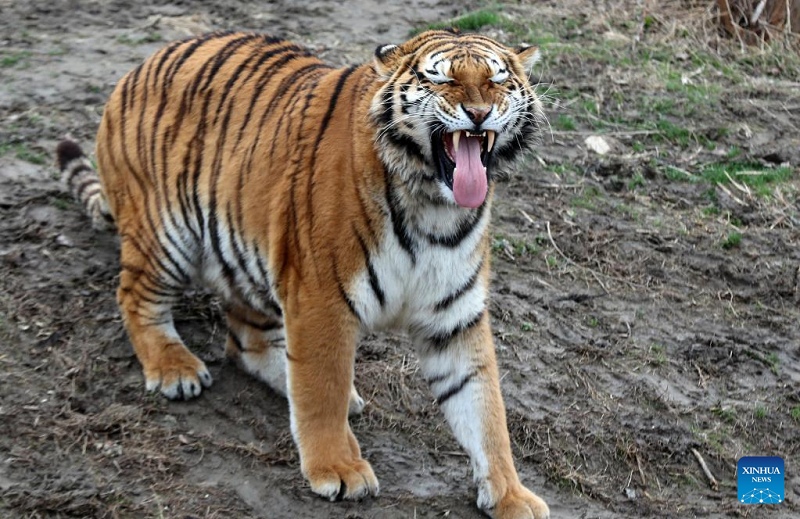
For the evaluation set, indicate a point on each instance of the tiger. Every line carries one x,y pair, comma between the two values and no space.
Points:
320,203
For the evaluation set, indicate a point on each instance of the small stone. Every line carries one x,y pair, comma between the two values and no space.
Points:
597,144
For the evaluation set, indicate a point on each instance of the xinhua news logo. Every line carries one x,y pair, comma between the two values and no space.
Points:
760,479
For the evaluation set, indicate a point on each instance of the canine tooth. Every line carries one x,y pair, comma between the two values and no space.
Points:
456,138
490,140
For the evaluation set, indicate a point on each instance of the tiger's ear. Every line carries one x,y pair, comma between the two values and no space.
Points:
528,55
387,59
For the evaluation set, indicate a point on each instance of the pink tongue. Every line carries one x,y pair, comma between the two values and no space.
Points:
469,177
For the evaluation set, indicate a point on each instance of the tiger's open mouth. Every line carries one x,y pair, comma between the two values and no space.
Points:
463,159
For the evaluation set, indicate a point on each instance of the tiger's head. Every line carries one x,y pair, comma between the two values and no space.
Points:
455,110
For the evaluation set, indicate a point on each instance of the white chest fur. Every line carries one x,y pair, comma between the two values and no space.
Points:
432,289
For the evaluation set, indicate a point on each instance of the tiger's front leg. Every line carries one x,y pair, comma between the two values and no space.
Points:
321,341
461,368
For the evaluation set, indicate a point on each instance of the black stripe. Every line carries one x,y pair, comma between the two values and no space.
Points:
236,341
465,228
89,194
232,80
443,339
223,55
373,278
519,144
445,303
263,81
455,389
264,327
84,185
405,142
167,53
326,120
397,216
74,172
238,253
295,78
198,143
149,275
343,292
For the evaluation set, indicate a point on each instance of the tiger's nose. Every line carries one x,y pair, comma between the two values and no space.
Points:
477,114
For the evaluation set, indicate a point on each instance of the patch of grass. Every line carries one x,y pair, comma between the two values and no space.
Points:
750,174
727,414
151,37
565,122
734,152
761,178
560,169
657,354
674,133
22,152
760,413
637,181
795,412
468,22
526,327
587,199
628,211
771,361
517,246
733,240
552,261
593,322
13,59
62,204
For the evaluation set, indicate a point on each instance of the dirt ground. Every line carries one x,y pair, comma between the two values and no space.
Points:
645,302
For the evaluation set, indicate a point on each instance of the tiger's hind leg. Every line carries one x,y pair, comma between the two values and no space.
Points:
149,287
257,343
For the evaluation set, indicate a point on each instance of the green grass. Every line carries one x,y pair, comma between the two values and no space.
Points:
587,199
657,354
637,181
152,37
733,240
756,176
565,122
14,59
468,22
22,152
795,412
61,203
519,246
760,413
727,414
750,174
771,361
526,327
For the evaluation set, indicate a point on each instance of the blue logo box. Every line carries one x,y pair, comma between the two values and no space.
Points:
760,479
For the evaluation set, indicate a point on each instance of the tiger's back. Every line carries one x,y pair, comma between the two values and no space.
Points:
211,147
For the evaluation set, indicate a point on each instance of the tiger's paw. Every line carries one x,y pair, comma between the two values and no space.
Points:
351,480
518,503
179,376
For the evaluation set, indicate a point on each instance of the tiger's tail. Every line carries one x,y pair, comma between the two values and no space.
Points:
81,179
